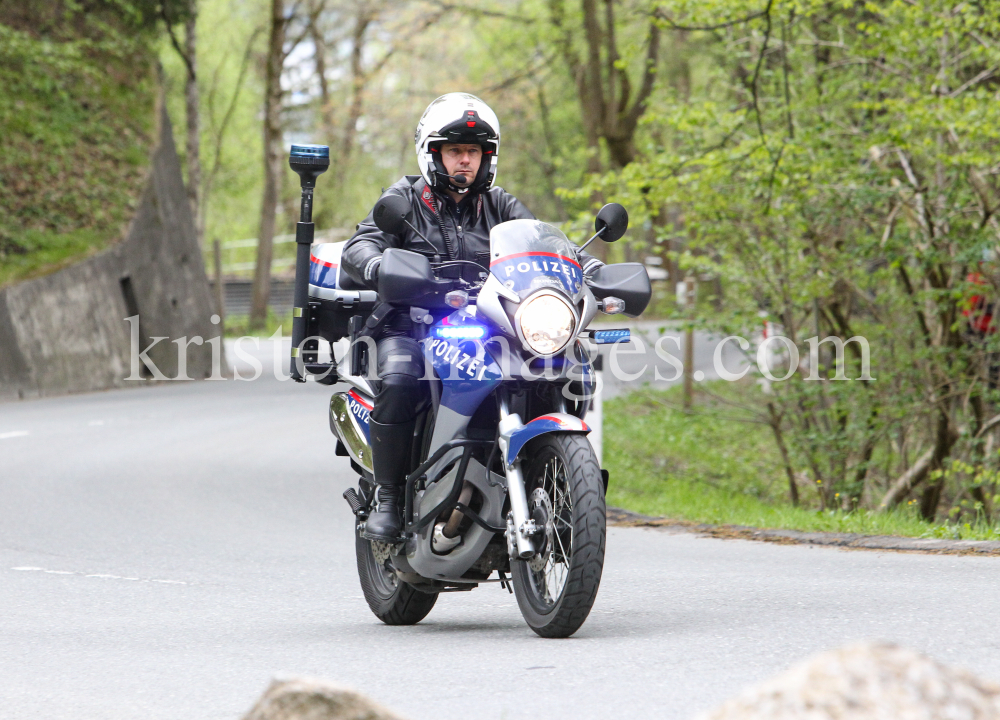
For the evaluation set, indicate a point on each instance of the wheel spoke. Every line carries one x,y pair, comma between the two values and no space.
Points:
550,579
562,549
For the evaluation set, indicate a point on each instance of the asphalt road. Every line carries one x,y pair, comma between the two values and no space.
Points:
164,552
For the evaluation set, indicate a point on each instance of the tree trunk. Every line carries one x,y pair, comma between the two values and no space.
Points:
590,85
359,78
775,422
319,57
273,147
193,121
552,151
945,438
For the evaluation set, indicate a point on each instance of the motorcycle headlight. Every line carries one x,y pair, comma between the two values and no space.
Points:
547,323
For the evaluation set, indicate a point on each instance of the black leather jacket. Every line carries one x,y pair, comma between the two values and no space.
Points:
454,232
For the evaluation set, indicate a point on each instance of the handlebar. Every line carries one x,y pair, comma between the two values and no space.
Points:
460,282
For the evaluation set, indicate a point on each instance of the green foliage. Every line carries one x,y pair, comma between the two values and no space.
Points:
835,168
43,251
76,122
717,449
718,466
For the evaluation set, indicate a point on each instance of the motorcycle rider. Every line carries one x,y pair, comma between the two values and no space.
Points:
454,207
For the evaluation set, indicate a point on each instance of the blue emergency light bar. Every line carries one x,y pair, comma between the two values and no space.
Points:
310,151
609,337
463,332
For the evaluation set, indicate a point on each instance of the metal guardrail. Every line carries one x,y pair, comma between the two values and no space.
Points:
275,264
330,235
237,296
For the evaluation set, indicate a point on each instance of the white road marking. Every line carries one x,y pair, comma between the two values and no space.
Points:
102,576
14,434
92,423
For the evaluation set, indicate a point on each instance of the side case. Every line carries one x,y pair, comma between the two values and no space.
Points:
333,296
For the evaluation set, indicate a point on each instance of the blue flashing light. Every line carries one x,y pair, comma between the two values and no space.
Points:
463,332
310,151
608,337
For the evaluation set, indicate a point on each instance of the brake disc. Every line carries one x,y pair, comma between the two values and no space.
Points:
541,504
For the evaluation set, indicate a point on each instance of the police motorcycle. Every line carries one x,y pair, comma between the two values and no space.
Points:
503,479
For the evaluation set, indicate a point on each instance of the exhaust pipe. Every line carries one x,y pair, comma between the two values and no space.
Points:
450,530
347,427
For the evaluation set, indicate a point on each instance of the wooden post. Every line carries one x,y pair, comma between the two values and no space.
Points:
220,301
689,297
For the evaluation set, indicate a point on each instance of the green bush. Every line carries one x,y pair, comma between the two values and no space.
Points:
76,124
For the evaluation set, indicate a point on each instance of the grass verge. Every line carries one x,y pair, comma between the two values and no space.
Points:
712,467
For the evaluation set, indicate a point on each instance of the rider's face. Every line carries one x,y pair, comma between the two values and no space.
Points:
464,159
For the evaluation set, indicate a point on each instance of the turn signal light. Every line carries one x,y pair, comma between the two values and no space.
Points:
457,299
613,305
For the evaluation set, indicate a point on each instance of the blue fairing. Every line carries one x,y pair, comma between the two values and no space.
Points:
522,271
553,422
468,372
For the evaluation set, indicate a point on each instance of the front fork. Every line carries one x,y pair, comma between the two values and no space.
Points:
521,528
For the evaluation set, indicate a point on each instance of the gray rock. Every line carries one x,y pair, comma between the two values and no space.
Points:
312,699
867,681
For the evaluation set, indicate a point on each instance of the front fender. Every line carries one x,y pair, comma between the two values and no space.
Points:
549,423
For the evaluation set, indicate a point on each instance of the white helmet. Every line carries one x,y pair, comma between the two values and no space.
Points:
457,118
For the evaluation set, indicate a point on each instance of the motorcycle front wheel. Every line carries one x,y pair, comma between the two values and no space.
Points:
556,589
393,601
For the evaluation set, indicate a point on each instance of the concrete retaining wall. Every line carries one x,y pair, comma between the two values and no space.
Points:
67,332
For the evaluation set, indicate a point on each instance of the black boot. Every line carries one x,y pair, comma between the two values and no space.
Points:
390,459
386,523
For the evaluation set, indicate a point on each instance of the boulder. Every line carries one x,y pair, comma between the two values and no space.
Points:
312,699
867,681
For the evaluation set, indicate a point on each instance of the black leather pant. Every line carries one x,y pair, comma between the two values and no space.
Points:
400,393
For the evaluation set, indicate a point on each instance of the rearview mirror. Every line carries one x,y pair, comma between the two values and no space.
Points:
391,213
628,281
613,220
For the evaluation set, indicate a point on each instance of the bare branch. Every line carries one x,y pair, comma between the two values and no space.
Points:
481,12
648,76
987,426
659,15
786,72
907,481
314,12
518,77
173,41
414,31
974,81
756,72
217,163
890,224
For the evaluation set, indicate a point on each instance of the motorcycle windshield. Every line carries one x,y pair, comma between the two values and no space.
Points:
527,255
